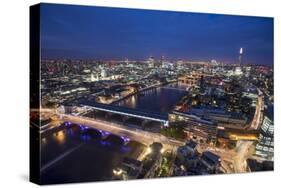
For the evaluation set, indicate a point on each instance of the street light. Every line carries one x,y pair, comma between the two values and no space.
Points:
117,172
149,150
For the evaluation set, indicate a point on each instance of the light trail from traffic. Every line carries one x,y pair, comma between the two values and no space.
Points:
138,135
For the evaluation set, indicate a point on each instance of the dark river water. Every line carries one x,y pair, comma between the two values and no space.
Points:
68,155
161,99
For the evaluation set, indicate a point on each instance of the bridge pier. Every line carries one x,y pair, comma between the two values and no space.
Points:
144,122
108,115
104,134
95,113
124,119
125,140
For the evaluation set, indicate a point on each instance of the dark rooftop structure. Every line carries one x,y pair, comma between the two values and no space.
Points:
256,166
210,158
131,161
192,144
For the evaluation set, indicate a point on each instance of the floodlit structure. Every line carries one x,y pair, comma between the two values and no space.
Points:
240,55
265,147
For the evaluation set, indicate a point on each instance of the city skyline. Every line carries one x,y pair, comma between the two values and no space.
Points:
124,94
118,33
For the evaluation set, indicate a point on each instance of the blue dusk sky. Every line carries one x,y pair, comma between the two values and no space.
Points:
86,32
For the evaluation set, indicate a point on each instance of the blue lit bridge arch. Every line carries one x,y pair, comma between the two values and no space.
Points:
104,134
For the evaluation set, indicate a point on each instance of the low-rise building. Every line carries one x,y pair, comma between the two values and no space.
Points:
152,161
195,126
211,161
129,169
190,162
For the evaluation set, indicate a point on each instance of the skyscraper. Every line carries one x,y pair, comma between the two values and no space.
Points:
151,62
238,69
103,73
240,56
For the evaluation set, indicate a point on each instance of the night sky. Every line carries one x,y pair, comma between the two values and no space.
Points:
84,32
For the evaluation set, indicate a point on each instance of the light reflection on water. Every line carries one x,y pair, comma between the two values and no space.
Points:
59,137
97,157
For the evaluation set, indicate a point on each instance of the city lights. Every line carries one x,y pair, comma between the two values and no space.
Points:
134,96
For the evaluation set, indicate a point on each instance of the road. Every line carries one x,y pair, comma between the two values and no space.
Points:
257,119
114,128
236,157
242,153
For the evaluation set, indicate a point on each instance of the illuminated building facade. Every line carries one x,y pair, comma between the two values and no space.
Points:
265,147
195,127
191,80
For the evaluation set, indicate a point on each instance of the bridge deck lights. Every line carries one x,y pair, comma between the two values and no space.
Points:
125,139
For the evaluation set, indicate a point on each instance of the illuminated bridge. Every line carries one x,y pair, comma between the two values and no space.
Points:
129,112
125,133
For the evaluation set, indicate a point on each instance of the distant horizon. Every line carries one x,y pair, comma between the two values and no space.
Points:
144,61
102,33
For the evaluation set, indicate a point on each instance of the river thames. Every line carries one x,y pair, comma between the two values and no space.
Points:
160,99
69,155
